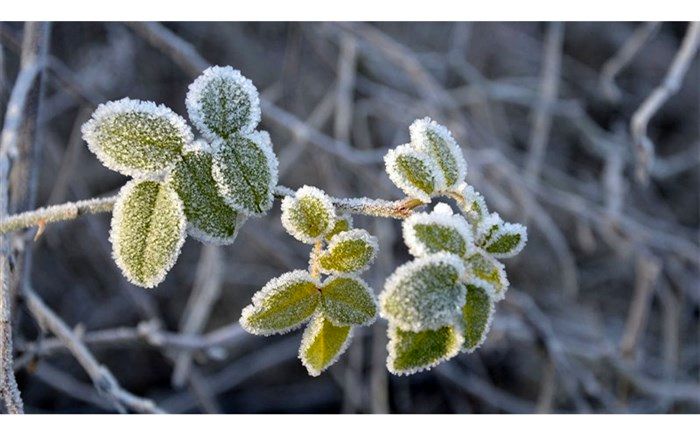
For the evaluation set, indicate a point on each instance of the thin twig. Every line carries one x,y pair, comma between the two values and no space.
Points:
644,147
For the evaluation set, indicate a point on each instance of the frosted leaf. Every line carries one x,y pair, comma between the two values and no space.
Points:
209,218
424,293
507,241
136,138
348,252
439,231
412,352
477,314
283,304
322,344
245,171
413,172
342,223
487,228
474,204
309,215
222,102
435,140
348,300
483,266
148,230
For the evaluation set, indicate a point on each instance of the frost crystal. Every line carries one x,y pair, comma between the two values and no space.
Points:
309,215
412,352
483,266
342,223
507,241
425,293
222,102
414,172
245,171
147,231
136,138
487,228
283,304
477,314
322,344
439,231
474,203
349,252
435,140
348,300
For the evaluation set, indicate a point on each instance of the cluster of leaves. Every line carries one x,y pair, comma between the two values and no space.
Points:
443,302
205,188
332,306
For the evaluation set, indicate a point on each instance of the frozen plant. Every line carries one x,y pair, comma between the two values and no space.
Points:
437,305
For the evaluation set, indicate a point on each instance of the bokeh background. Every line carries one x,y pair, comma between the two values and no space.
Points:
603,314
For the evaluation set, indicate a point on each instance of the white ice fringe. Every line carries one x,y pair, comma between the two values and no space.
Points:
482,230
419,137
288,202
126,105
285,280
442,215
510,228
353,234
497,295
471,196
117,216
193,100
310,335
200,145
405,185
207,238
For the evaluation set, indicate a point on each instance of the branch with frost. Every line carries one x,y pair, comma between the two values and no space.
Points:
644,147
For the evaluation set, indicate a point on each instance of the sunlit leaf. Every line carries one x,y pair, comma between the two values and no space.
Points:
342,223
483,266
348,300
411,352
436,141
413,172
322,344
439,231
507,241
309,215
348,252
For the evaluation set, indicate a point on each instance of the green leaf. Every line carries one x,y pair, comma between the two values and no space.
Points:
413,172
348,252
221,102
483,266
309,215
425,293
209,218
136,138
283,304
342,223
348,300
436,141
473,204
439,231
322,344
245,171
148,230
477,314
411,352
507,240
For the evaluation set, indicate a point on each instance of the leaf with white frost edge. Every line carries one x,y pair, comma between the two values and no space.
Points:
507,241
477,314
343,223
348,252
283,304
322,344
136,138
436,140
413,172
147,231
222,102
309,215
424,293
439,231
474,204
209,219
412,352
348,300
483,266
487,228
245,171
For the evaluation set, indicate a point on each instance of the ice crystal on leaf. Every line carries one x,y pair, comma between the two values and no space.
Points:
139,139
439,231
245,171
309,215
209,218
437,142
348,300
474,204
506,241
285,303
342,223
414,172
411,352
477,314
425,293
322,344
348,252
222,102
148,230
483,266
